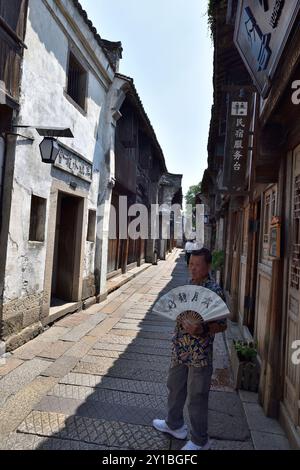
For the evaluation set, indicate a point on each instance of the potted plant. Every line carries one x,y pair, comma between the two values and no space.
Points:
218,263
245,365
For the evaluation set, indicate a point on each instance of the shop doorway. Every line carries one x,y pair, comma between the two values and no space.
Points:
67,250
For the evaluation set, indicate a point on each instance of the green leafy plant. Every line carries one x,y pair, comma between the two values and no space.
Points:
246,351
212,9
218,258
190,197
211,16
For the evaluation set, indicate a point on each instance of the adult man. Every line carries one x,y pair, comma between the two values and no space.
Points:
192,366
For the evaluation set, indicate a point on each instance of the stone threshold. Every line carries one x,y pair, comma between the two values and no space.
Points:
55,313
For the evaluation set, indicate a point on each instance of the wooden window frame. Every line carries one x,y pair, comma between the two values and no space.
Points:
81,107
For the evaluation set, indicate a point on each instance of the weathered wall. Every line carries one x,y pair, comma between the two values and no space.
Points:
44,103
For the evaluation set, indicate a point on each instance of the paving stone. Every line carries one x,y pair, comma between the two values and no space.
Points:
224,402
18,406
133,315
131,348
99,331
21,376
248,397
54,350
102,346
29,350
268,441
99,410
76,333
91,340
259,422
81,348
111,383
113,397
73,320
20,441
61,366
218,445
139,310
120,371
231,445
108,362
112,434
131,356
138,341
228,426
53,334
144,328
111,307
4,396
147,321
143,334
9,365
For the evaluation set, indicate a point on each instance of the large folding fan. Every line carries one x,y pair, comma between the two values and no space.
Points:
195,303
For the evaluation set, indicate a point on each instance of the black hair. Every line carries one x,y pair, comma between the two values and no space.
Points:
203,252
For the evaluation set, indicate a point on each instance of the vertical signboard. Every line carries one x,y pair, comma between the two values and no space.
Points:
237,140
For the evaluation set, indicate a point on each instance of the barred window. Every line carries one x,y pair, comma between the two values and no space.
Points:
77,81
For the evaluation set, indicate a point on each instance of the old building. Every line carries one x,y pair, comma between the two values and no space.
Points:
73,102
252,183
52,213
170,196
12,32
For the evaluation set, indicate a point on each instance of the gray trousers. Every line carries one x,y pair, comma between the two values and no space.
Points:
191,384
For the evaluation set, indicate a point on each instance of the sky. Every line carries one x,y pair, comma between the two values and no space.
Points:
168,52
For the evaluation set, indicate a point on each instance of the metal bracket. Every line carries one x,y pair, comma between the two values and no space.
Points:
19,135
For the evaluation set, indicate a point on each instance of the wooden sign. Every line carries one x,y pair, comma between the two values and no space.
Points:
261,32
239,115
274,238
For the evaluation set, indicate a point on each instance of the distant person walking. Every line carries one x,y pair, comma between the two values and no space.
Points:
189,247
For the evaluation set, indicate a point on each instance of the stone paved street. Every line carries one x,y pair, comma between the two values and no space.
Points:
96,379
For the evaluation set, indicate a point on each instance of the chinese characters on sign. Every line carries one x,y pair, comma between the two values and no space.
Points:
262,28
70,162
259,42
237,141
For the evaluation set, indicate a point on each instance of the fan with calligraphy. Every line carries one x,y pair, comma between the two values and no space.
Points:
194,303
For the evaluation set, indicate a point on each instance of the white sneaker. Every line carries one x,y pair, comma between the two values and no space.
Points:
191,446
161,425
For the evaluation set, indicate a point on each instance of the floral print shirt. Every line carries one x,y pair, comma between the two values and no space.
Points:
191,350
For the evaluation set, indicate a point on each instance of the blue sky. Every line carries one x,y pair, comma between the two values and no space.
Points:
169,54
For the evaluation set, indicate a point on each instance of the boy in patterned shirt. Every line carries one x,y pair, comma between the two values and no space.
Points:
192,365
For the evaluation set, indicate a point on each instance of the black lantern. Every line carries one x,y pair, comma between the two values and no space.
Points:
49,149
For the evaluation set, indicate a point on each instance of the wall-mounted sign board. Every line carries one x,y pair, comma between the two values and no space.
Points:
261,32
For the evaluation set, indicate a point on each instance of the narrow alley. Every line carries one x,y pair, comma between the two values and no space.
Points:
97,378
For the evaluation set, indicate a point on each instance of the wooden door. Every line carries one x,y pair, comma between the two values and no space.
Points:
250,322
66,233
114,242
292,372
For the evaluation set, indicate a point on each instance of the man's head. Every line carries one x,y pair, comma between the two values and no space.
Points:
200,263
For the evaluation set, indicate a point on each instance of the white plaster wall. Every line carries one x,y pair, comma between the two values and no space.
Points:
43,103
